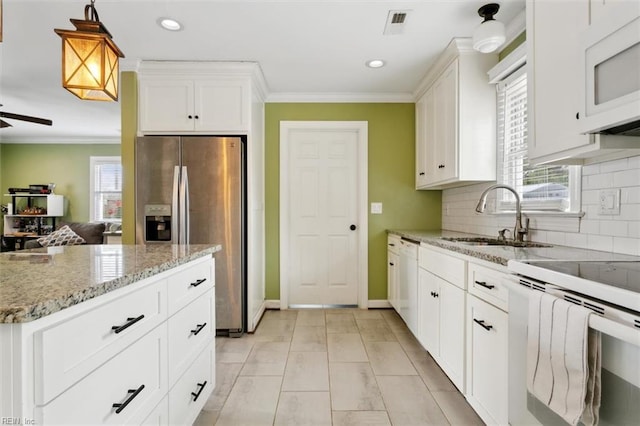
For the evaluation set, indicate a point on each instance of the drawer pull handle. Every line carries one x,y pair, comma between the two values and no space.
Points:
485,285
434,294
391,263
198,282
121,406
198,329
392,245
483,325
197,395
130,321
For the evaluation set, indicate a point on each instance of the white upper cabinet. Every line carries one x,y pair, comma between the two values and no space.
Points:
455,120
556,87
194,98
553,43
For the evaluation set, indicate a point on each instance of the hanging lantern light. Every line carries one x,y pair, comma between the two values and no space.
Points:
90,58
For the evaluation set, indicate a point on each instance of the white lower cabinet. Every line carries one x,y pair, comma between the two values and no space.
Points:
142,354
487,350
441,313
462,321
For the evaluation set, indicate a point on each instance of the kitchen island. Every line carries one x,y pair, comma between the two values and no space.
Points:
107,334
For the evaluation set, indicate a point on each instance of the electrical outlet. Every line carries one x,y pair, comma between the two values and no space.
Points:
609,202
376,208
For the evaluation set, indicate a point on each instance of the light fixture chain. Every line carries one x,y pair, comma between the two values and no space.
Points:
94,13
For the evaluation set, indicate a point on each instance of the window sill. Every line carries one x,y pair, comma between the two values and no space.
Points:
549,221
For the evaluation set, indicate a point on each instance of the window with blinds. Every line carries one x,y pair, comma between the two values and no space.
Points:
106,189
542,188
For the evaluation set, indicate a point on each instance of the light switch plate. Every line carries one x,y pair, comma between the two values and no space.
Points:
376,208
609,202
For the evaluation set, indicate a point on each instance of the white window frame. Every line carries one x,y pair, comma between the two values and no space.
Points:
93,161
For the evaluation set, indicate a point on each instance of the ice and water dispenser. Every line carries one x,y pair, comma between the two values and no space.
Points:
157,222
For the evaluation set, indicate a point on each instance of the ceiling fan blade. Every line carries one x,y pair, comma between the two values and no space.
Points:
30,119
4,124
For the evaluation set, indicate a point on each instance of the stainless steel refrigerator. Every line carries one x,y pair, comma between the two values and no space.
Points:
191,190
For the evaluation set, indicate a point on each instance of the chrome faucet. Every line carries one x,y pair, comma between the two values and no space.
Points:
519,231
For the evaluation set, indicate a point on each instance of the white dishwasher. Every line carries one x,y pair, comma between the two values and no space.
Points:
408,283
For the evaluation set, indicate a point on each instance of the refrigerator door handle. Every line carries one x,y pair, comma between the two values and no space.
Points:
175,214
184,206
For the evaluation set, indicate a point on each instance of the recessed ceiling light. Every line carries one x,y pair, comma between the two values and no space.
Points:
169,24
375,63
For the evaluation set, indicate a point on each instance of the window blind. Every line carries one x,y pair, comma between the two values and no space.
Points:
106,178
542,187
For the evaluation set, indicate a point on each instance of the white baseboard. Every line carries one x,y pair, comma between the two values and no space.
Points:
272,304
379,304
373,304
256,318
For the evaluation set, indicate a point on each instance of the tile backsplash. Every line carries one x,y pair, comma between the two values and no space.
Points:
619,233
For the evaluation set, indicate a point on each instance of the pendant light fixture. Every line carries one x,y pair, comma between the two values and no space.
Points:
490,33
90,58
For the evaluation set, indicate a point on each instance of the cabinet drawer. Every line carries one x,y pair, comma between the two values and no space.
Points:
189,331
486,283
192,390
68,351
450,268
123,378
393,243
192,281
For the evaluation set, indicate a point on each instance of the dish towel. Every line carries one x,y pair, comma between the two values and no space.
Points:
563,358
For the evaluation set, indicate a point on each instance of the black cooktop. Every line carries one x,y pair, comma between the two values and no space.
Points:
621,274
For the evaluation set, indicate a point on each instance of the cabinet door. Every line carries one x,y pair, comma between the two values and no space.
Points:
222,105
553,70
425,139
452,324
445,95
428,311
166,105
392,279
487,361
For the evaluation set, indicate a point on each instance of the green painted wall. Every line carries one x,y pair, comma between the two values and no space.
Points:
129,121
66,165
391,181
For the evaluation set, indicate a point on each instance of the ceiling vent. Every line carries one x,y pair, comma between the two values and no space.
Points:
396,22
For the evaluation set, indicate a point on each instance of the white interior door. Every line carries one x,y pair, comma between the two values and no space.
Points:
321,215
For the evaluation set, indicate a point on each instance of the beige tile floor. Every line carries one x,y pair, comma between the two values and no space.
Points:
331,367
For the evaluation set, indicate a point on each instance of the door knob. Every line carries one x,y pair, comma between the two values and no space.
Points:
353,227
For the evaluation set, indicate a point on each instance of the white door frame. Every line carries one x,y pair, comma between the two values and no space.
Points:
361,127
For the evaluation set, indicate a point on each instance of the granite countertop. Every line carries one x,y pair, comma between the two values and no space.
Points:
502,254
35,283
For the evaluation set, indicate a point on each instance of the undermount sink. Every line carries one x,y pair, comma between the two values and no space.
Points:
485,241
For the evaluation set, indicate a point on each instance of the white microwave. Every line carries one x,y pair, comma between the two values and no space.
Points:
611,55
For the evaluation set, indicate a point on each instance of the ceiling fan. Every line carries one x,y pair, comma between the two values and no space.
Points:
28,118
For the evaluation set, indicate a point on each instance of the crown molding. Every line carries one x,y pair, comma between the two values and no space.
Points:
316,97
